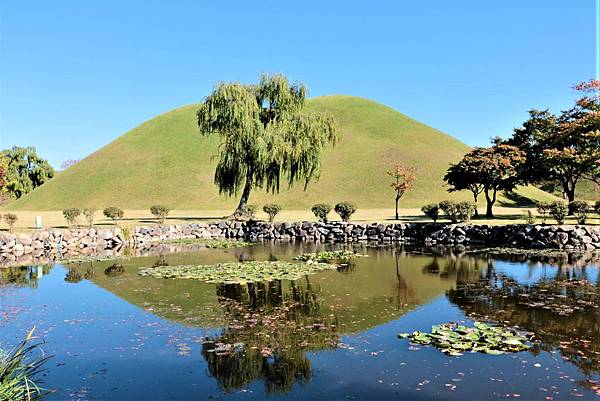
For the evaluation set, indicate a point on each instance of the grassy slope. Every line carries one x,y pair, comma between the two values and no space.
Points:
166,161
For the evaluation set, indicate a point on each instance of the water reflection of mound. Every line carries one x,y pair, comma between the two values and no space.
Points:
563,313
270,327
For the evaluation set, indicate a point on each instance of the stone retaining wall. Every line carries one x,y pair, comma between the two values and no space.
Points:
61,241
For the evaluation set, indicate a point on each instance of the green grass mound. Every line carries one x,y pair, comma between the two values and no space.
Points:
238,273
454,339
166,161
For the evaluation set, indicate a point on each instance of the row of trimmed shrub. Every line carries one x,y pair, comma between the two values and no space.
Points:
458,212
321,210
559,211
72,214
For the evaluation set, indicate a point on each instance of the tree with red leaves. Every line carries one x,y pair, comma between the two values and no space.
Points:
403,178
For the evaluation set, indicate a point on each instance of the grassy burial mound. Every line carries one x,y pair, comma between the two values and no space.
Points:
166,161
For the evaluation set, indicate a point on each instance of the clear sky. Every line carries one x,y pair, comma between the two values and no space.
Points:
74,75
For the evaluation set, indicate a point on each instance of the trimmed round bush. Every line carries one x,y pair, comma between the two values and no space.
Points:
90,214
321,211
580,210
558,211
543,209
432,211
160,212
529,217
450,209
250,211
458,211
71,215
272,210
10,219
113,213
465,210
345,210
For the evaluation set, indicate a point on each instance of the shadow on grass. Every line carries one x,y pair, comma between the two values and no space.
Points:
513,199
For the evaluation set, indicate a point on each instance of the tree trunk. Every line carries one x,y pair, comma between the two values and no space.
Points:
241,209
475,195
397,200
490,200
569,192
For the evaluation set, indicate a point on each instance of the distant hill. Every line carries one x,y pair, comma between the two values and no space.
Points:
166,161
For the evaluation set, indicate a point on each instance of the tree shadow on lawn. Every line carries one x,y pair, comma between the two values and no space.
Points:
513,199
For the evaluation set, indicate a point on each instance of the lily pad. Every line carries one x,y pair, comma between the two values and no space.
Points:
453,339
327,256
238,272
212,243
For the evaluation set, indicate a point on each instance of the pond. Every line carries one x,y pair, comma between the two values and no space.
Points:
331,335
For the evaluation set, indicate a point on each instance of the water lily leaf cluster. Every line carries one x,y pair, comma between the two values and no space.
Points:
89,258
455,339
212,243
238,272
220,243
326,256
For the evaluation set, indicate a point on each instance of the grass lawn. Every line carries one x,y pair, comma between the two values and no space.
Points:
504,215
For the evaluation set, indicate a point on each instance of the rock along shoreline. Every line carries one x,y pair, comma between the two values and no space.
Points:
85,241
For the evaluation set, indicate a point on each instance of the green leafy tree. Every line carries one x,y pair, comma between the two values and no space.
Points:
495,168
462,176
265,133
25,170
563,148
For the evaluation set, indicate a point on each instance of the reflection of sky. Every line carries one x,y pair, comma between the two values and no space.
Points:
534,272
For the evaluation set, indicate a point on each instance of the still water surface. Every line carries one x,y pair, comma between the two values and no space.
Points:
333,335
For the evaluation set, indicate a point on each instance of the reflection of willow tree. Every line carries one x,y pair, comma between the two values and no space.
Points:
23,275
270,328
562,314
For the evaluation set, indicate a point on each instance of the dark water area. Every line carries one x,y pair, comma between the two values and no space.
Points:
333,335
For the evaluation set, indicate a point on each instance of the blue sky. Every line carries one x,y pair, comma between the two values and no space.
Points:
74,75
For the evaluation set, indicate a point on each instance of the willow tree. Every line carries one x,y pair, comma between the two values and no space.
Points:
266,136
25,170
